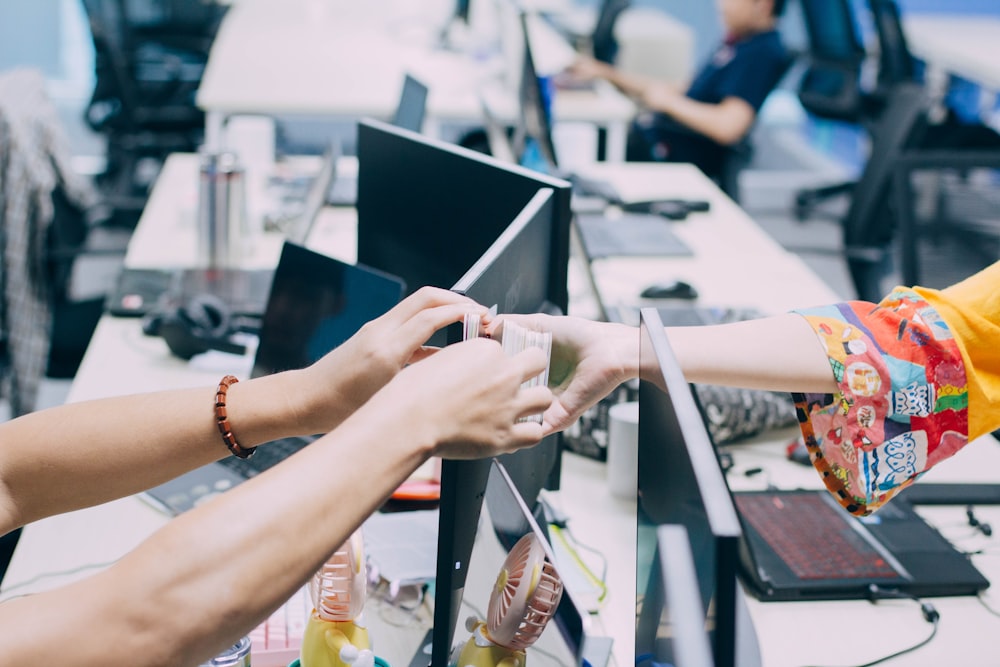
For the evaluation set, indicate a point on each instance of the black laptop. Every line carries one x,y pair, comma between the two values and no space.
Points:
801,545
315,304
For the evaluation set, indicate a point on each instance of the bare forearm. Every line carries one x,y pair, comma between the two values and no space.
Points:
83,454
778,353
724,123
632,85
209,576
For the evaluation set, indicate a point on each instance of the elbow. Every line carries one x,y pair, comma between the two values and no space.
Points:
731,134
735,120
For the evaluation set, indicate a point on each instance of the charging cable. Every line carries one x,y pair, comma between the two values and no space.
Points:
927,610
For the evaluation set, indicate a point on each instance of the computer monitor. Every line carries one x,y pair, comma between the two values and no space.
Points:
511,274
672,626
412,105
532,141
603,45
681,482
428,209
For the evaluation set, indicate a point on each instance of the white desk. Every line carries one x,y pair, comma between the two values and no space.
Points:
967,46
166,236
735,263
740,265
334,59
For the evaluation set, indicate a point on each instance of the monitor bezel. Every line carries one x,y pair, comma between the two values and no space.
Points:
719,508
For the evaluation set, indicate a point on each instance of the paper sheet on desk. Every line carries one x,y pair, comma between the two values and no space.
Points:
402,546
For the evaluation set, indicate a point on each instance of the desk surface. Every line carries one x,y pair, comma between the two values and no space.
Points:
348,60
965,45
732,248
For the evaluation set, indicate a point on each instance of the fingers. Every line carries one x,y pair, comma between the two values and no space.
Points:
532,361
416,329
429,298
525,434
533,401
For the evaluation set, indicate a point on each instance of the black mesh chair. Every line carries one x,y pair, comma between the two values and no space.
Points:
831,85
603,44
869,226
149,59
948,225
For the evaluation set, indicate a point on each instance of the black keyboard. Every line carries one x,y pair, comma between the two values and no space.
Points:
811,537
629,235
265,457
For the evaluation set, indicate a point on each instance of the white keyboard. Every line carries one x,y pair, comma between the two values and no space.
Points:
276,642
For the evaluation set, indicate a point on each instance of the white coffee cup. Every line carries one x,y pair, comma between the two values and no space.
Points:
623,449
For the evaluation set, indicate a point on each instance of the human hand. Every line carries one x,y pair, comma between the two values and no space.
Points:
347,377
585,68
589,359
467,399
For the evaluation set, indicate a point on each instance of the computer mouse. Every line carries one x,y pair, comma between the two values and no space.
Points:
677,289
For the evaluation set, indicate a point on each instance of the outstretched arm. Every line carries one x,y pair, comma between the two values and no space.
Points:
726,122
83,454
586,68
590,359
215,572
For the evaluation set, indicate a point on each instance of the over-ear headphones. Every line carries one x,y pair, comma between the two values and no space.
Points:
200,324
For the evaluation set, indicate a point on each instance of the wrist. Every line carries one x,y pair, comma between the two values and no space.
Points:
627,345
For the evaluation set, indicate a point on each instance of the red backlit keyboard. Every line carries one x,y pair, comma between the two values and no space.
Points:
276,641
809,536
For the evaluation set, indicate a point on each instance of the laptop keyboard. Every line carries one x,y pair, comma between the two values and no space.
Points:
277,641
811,537
265,457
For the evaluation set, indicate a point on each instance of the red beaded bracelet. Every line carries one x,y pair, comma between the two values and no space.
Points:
222,419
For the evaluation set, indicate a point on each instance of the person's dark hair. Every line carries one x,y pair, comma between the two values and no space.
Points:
778,7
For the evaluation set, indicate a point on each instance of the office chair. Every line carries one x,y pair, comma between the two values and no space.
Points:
831,85
149,59
603,43
869,226
955,232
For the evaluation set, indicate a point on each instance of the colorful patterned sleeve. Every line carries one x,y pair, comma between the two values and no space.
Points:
901,406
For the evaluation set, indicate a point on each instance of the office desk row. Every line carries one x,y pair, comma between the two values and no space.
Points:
339,60
736,263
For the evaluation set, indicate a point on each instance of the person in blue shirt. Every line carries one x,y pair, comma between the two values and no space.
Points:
718,108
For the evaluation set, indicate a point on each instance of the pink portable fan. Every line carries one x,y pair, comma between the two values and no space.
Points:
336,635
525,597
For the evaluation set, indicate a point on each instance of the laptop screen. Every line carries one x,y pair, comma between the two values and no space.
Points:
315,304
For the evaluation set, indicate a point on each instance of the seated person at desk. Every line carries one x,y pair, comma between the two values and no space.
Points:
915,377
203,581
719,107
